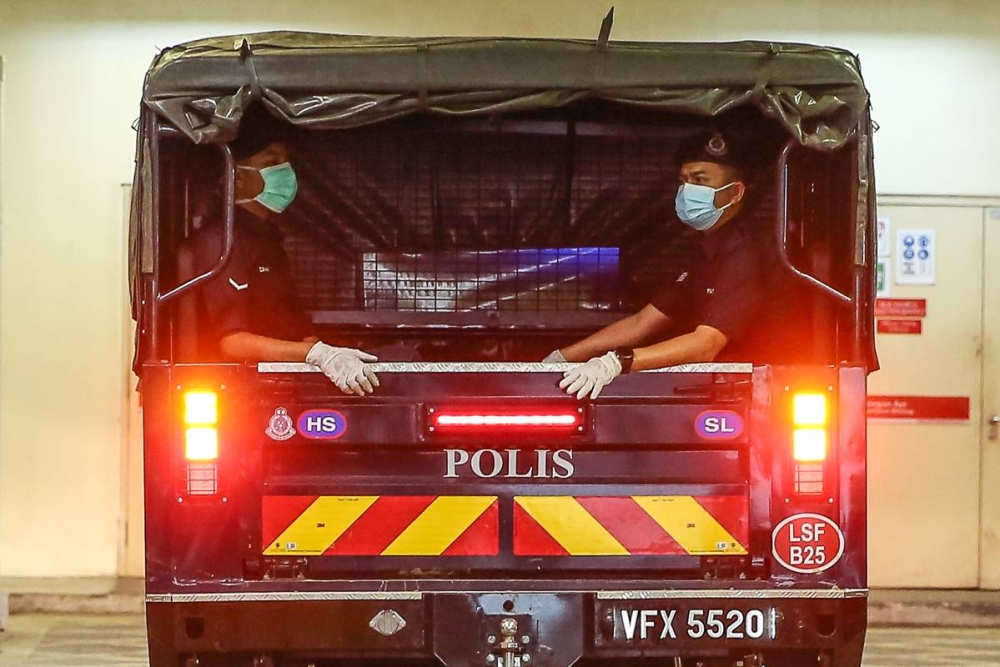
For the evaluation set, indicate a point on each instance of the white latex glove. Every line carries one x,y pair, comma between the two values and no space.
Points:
554,357
345,367
591,376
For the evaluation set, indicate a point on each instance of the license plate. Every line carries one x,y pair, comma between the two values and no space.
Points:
669,624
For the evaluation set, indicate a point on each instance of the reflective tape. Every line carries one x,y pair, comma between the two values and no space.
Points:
630,525
380,526
569,524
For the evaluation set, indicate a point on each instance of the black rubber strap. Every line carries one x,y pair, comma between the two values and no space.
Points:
626,356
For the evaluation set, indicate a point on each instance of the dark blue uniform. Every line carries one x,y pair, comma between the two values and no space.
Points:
726,285
254,293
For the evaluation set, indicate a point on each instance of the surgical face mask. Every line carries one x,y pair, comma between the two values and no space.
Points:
695,205
280,186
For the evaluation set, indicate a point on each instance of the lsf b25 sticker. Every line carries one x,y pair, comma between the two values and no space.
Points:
807,543
719,425
322,424
280,426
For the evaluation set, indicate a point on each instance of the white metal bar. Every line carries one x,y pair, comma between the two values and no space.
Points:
486,367
669,594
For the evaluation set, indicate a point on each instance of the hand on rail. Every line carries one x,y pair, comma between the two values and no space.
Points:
346,367
591,376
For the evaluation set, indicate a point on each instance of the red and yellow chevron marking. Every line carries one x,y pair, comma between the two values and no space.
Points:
630,525
380,526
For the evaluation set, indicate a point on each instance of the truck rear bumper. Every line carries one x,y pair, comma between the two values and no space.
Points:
498,629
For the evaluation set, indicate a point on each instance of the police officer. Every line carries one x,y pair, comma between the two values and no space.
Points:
251,311
711,303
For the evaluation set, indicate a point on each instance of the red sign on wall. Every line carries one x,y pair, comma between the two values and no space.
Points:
901,307
807,543
894,326
949,408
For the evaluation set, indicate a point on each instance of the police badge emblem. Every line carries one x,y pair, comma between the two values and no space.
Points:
716,146
280,426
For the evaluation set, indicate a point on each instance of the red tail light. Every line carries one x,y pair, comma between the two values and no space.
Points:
810,442
809,437
201,444
505,420
201,441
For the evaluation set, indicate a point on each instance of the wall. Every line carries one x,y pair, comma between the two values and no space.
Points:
73,79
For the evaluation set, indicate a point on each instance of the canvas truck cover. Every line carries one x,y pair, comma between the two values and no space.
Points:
323,81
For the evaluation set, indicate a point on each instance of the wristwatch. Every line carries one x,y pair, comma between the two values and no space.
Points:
626,356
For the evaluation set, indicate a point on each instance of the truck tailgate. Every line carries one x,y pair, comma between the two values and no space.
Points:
470,468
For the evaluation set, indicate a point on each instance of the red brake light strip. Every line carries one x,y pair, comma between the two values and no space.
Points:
485,420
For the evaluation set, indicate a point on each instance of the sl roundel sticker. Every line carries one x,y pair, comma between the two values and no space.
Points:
807,543
719,425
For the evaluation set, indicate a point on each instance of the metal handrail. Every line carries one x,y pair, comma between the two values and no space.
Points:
786,262
440,367
228,219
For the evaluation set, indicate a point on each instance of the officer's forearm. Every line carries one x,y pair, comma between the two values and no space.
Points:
244,346
700,346
623,333
628,332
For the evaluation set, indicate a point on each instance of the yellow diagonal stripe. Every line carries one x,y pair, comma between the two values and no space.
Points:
439,525
690,524
320,525
571,525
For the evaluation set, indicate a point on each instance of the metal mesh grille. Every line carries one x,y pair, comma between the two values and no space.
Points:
538,218
505,280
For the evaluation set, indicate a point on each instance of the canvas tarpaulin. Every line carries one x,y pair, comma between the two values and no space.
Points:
333,81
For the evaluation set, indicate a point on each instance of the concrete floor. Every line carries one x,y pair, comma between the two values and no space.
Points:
53,640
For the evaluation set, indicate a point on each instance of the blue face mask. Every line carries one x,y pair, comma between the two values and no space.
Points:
280,186
695,205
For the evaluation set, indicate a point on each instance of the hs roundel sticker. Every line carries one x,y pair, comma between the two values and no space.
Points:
322,424
807,543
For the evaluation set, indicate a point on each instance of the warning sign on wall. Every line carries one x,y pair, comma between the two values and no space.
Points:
930,408
882,241
900,326
882,279
901,307
916,257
